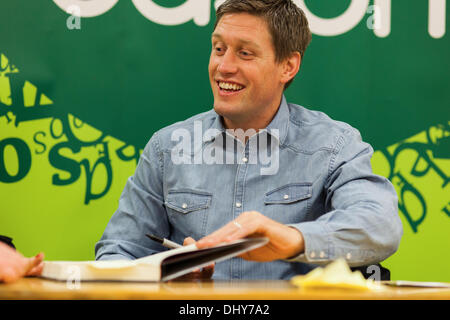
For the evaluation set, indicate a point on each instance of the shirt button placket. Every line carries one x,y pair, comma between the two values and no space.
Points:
236,265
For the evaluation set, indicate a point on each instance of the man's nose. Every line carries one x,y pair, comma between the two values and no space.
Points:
228,63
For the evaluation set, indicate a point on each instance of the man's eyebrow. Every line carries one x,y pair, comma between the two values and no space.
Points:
243,41
216,35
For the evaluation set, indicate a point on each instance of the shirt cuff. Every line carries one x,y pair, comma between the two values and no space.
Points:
318,248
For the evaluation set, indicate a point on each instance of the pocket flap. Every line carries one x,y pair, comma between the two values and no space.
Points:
188,200
289,193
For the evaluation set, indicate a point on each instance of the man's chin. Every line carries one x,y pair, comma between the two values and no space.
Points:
233,117
227,110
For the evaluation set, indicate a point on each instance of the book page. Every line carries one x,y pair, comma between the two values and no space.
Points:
111,264
157,258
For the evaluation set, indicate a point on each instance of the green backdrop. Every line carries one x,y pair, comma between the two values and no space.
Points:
80,97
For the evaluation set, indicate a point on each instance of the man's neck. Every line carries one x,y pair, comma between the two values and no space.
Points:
256,122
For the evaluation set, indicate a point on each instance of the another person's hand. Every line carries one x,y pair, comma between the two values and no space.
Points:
204,273
284,241
14,265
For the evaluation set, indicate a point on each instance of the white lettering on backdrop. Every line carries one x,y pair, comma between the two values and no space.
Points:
199,11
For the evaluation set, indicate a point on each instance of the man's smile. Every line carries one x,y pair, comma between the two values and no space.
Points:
227,88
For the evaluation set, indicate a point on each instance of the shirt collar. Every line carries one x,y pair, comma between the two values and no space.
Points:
279,123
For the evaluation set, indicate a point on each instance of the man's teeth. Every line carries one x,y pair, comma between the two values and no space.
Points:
230,86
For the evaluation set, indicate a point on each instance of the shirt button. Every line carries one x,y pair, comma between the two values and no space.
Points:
285,197
184,205
238,204
244,160
348,256
322,254
313,254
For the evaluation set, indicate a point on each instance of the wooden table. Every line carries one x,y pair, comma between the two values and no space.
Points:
40,289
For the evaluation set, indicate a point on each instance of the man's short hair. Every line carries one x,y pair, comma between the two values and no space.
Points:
287,23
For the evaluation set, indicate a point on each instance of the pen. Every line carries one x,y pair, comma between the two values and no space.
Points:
165,242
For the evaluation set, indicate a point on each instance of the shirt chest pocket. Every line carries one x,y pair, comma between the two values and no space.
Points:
187,211
288,203
186,201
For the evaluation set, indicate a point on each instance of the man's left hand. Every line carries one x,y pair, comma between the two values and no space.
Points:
284,241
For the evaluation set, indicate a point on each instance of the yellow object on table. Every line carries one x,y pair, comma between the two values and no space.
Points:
336,275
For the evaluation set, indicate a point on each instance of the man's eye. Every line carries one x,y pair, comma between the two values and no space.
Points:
245,53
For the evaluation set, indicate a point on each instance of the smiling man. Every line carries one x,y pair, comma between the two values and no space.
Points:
247,77
323,201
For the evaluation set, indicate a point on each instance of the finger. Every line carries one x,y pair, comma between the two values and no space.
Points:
243,220
243,228
209,266
225,233
208,271
37,270
34,262
187,241
39,258
221,232
245,225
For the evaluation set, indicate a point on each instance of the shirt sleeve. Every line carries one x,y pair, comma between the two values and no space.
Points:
361,223
140,211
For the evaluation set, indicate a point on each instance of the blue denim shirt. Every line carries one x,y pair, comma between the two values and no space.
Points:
322,185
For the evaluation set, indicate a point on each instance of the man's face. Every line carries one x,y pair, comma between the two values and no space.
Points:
244,76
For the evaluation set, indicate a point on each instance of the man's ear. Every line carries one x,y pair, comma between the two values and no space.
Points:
291,65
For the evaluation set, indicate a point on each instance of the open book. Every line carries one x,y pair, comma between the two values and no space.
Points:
161,266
